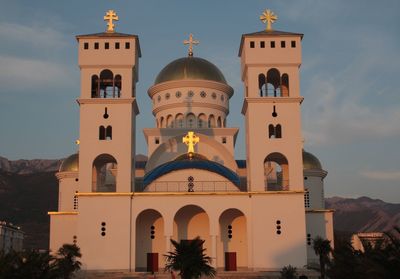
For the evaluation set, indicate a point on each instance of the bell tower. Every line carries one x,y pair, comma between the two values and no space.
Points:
108,64
270,62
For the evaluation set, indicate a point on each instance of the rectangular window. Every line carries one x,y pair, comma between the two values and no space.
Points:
272,44
262,44
224,140
157,140
293,44
283,44
96,45
86,46
127,45
117,45
106,45
252,44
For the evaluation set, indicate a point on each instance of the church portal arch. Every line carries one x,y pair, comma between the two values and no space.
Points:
233,236
149,237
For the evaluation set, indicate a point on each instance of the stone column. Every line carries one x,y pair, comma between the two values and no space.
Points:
214,250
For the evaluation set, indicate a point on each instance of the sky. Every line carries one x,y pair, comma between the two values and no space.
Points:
349,75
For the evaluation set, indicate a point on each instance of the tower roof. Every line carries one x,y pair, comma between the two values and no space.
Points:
275,33
310,162
190,68
71,163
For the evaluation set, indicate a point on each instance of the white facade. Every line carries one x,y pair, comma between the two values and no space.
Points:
256,211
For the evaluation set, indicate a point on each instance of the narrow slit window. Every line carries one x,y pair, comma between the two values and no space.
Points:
224,140
293,44
107,45
102,133
108,133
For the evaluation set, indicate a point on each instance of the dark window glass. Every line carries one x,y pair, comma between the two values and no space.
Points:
272,44
106,45
262,44
127,45
117,45
252,44
86,45
283,44
293,43
96,45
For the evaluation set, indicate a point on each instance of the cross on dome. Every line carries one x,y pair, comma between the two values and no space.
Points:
109,17
268,17
190,140
191,42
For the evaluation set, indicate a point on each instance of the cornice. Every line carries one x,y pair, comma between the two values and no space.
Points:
192,104
269,100
110,101
190,83
66,174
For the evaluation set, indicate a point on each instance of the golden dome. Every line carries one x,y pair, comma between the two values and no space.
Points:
310,162
190,68
70,164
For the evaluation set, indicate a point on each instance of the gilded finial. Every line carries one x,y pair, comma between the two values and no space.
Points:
190,140
268,17
109,17
191,42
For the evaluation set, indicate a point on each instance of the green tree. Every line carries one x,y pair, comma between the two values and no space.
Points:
189,259
322,248
289,272
66,261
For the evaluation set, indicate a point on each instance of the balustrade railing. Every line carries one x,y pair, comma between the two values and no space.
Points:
195,186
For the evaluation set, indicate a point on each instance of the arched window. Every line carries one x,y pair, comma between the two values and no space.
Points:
190,120
108,133
102,133
202,120
106,84
275,131
273,83
170,123
261,85
219,122
276,172
162,122
95,87
278,131
118,85
271,131
285,85
211,121
224,123
179,120
104,174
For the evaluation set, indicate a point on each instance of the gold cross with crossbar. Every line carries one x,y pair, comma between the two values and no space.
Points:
268,17
191,42
110,16
190,140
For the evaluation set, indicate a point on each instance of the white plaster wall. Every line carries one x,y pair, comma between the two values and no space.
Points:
111,251
315,186
318,224
67,188
62,231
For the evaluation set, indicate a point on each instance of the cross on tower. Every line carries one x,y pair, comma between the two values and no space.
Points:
268,17
191,42
190,140
109,17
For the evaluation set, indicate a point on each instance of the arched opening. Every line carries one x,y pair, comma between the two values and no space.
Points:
149,238
179,120
273,83
170,122
104,174
107,89
274,131
261,85
278,131
271,131
224,123
211,121
118,85
202,121
95,87
233,236
109,133
219,122
190,121
285,85
191,221
276,172
102,133
161,122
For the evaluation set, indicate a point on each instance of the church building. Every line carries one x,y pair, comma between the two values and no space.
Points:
260,213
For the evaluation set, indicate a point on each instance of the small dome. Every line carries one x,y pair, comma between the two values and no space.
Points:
190,68
70,164
310,162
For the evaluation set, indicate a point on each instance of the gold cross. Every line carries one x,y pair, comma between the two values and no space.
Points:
190,140
110,16
191,42
268,17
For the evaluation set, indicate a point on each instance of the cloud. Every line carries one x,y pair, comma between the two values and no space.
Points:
28,75
382,175
37,36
